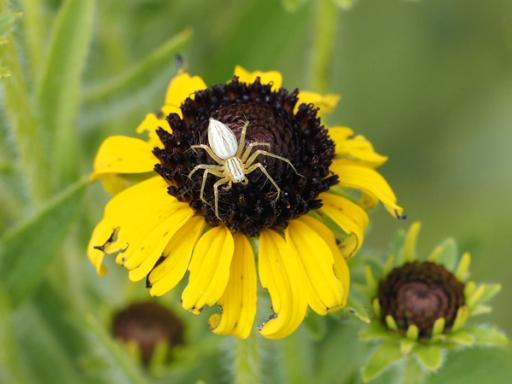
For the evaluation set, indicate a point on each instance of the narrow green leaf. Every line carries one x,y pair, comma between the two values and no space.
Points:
382,358
11,369
119,95
395,248
93,352
28,249
486,335
344,4
491,290
34,32
25,130
42,352
293,5
316,326
430,356
7,20
357,308
374,332
446,253
59,91
408,252
463,338
118,366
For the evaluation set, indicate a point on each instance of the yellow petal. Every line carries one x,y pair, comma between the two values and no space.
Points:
355,148
209,269
281,275
181,87
149,125
340,264
324,290
177,257
123,154
324,103
367,180
269,77
136,209
142,257
338,134
239,299
114,183
349,216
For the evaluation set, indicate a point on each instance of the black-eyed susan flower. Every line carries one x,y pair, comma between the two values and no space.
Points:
233,170
421,307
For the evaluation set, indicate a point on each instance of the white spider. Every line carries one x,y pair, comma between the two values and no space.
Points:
234,163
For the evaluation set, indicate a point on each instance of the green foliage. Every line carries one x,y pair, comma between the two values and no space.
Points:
113,98
74,71
58,92
28,249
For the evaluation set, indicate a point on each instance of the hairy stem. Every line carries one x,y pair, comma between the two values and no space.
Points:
325,17
247,361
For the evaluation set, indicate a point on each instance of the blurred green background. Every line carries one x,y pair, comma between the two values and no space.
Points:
428,82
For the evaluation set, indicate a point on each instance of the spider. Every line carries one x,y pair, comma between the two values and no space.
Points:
234,162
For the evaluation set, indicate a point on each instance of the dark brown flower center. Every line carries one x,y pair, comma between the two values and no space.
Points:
293,133
147,324
419,293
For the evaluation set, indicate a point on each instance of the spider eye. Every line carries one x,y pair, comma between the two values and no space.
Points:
222,140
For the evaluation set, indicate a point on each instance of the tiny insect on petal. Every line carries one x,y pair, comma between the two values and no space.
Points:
222,140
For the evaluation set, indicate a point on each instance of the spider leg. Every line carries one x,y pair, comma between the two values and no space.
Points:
259,166
259,152
241,144
228,187
208,151
249,148
203,183
216,186
201,166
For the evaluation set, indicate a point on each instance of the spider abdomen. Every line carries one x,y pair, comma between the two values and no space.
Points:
222,140
234,168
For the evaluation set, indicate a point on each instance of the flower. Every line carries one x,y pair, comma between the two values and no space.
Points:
148,325
421,307
166,225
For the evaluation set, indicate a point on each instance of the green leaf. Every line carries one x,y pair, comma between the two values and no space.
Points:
463,338
408,252
316,326
29,248
491,290
430,356
357,308
396,246
119,95
382,358
7,20
93,352
43,354
486,335
59,90
11,369
344,4
375,332
446,253
118,366
293,5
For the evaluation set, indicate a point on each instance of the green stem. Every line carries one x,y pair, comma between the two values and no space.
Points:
325,17
247,361
413,373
